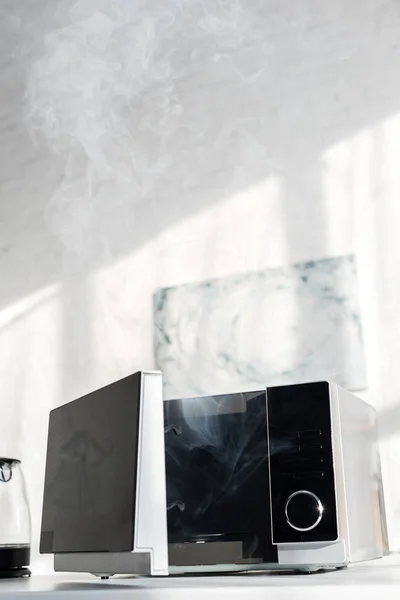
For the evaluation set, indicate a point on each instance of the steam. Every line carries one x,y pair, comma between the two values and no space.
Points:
232,451
106,95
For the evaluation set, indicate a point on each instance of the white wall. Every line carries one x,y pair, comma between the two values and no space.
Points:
277,141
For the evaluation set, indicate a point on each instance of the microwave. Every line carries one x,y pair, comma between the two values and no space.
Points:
285,478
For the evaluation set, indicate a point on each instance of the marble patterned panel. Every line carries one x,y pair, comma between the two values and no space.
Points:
288,325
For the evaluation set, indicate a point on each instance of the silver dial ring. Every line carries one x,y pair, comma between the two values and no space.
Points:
318,505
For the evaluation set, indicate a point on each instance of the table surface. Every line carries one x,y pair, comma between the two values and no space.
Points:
368,580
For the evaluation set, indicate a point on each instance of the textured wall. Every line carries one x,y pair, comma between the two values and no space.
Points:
181,141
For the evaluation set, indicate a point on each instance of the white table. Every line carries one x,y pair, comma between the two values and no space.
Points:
379,580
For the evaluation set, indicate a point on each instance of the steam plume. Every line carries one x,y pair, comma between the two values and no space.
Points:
106,94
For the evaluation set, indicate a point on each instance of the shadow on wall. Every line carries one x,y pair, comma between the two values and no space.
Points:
389,422
267,94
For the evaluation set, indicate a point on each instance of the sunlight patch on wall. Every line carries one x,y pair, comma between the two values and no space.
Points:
242,233
347,193
29,360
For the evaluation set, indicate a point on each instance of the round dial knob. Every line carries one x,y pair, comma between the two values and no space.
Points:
303,510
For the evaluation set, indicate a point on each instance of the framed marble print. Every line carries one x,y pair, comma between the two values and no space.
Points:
287,325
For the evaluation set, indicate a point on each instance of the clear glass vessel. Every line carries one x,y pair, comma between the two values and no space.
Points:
15,520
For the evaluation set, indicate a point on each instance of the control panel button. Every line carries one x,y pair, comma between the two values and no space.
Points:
303,510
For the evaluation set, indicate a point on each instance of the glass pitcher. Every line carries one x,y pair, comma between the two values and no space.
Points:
15,520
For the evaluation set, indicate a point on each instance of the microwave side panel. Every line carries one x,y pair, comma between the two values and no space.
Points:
363,480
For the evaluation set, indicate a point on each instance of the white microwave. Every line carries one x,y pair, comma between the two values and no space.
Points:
282,478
